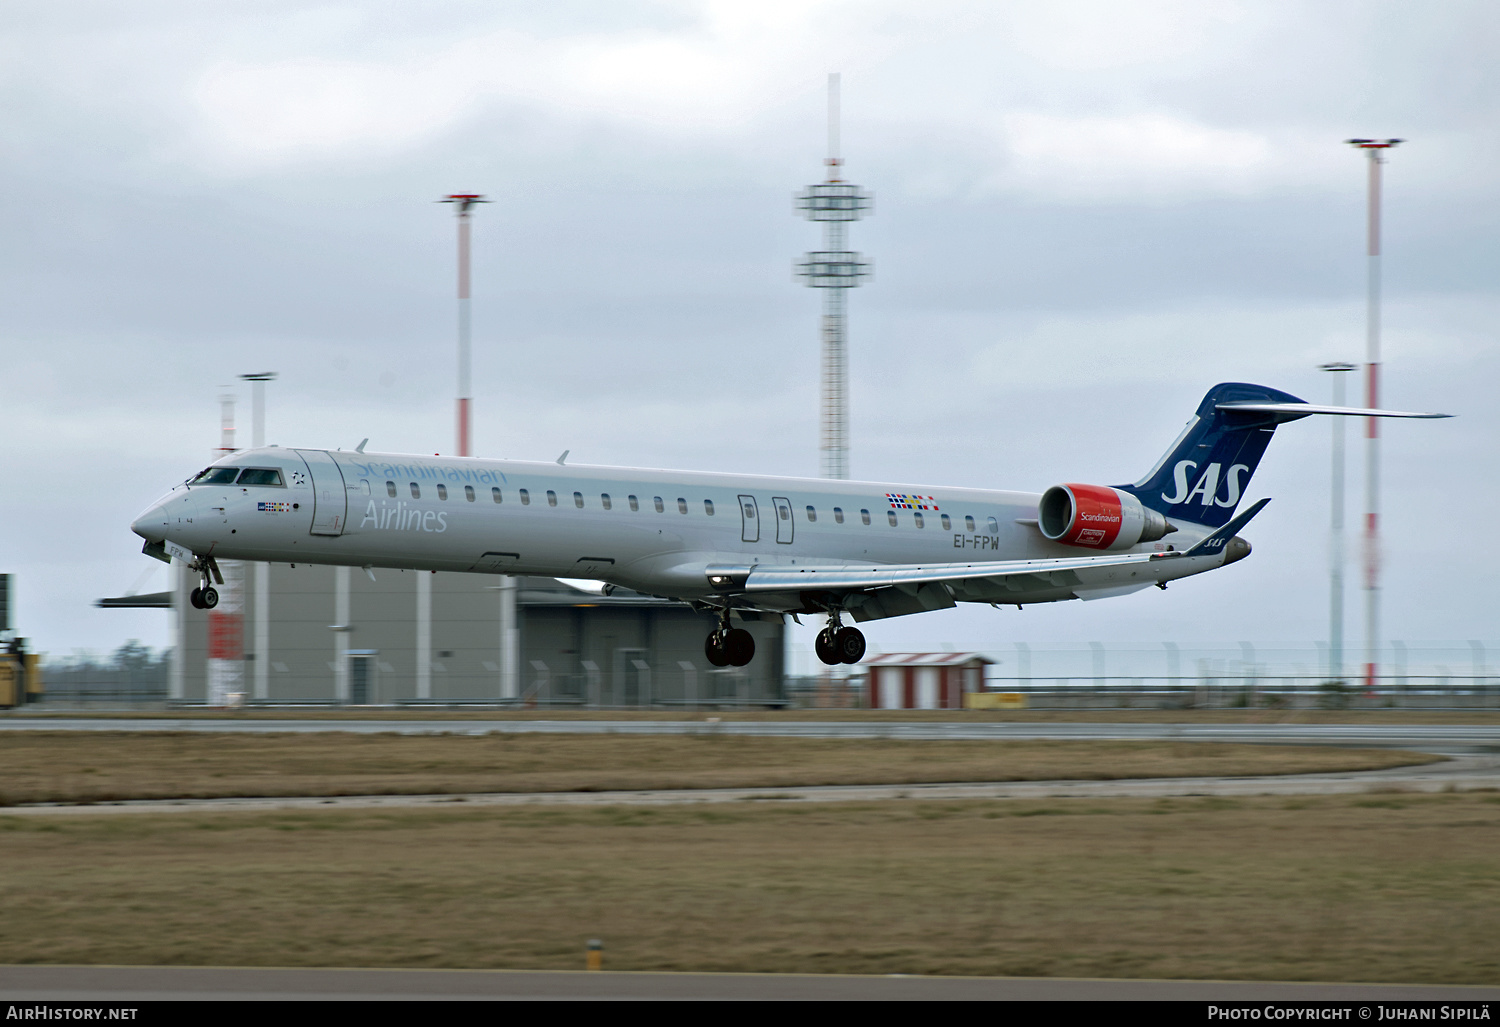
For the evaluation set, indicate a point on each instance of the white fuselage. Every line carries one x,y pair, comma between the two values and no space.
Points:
652,531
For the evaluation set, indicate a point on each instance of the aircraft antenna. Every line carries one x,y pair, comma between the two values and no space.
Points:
834,269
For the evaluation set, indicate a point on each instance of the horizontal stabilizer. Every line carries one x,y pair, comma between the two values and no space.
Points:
1304,409
1215,543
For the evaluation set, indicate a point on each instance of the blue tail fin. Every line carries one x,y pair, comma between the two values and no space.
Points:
1201,478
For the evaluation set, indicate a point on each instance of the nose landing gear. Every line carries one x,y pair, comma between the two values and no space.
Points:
206,597
836,644
729,647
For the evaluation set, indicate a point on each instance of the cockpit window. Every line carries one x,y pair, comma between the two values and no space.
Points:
215,476
260,476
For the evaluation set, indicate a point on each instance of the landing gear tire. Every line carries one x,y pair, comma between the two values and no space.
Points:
196,598
208,598
827,648
849,644
713,649
739,647
732,648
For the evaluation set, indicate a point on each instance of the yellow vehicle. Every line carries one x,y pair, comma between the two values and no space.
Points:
20,677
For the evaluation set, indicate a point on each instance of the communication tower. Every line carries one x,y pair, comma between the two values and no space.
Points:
834,268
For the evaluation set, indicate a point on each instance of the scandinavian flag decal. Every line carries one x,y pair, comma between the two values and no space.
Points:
901,501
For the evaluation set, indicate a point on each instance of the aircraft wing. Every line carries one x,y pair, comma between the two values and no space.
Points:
1091,574
858,577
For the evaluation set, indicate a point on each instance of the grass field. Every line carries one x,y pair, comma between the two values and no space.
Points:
100,766
1384,887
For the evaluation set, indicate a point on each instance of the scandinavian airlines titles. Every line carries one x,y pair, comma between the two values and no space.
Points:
1208,484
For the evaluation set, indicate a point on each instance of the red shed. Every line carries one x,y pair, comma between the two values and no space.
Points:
923,681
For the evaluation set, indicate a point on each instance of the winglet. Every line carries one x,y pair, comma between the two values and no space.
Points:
564,457
361,447
1215,543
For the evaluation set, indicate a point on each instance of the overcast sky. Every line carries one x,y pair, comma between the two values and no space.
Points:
1086,214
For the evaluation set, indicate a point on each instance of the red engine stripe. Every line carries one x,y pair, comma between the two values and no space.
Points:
1097,517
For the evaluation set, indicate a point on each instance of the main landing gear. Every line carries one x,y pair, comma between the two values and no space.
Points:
206,597
729,647
837,644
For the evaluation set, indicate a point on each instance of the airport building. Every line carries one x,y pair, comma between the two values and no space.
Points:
339,635
923,681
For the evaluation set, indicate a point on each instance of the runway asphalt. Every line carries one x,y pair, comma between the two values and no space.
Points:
1457,774
122,984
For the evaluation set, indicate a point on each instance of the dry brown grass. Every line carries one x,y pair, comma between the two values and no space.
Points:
1374,888
100,766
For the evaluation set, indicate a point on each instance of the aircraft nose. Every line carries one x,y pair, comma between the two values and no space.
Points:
151,525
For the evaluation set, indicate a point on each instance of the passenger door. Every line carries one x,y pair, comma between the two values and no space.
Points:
749,520
330,501
785,525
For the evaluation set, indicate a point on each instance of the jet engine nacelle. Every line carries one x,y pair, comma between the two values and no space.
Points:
1098,517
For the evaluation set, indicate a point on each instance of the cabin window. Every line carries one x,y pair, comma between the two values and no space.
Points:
659,506
551,498
784,512
917,516
864,516
708,507
469,493
525,497
495,495
443,492
994,526
812,514
215,476
364,486
969,524
604,500
838,515
681,505
416,491
947,523
578,500
890,515
260,476
635,504
390,489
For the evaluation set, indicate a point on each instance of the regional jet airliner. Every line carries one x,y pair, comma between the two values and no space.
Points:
742,547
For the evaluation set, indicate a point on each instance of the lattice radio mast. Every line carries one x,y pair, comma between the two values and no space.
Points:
835,203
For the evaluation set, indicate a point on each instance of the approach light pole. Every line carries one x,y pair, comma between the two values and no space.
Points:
1336,533
1374,150
510,635
260,609
462,202
258,405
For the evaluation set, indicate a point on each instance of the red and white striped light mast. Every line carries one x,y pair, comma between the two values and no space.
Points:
1374,150
510,636
835,203
462,202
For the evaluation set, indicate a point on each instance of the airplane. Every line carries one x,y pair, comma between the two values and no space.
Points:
740,546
